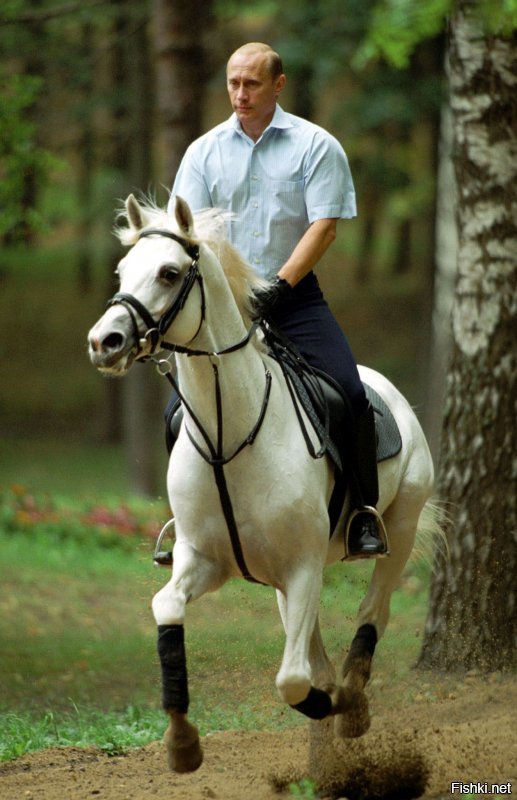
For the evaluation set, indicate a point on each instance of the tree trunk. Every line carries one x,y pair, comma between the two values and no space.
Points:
134,404
371,215
181,76
85,170
144,439
446,253
472,621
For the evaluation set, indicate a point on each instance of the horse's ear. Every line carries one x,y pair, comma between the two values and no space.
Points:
184,216
135,214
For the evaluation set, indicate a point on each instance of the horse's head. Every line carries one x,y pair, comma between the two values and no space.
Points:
156,278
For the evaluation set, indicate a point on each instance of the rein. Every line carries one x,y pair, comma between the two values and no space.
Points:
215,458
147,346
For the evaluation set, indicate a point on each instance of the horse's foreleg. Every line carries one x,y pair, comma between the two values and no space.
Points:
181,737
299,610
192,576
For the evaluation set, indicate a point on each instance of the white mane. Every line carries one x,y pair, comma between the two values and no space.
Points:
210,229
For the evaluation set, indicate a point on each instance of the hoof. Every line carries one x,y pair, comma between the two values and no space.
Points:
184,751
352,713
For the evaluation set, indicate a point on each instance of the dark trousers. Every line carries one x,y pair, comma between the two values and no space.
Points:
308,322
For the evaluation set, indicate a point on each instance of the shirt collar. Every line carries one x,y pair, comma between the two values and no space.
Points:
280,120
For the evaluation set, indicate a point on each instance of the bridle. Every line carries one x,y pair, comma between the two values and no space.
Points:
147,344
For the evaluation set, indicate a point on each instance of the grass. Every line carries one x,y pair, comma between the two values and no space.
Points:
113,732
78,662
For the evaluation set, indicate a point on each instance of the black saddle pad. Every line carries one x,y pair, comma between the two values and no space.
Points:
389,441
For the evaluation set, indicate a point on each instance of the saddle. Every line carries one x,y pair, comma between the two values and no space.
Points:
329,403
329,412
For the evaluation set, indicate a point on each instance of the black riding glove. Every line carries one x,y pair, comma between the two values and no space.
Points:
269,299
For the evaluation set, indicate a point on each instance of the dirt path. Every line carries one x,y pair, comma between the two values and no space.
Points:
467,735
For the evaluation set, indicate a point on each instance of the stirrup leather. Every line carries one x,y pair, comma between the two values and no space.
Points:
382,530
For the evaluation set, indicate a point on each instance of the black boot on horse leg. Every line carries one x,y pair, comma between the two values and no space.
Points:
365,535
181,737
349,700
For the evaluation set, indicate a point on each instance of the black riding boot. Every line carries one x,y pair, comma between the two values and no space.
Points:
173,419
365,534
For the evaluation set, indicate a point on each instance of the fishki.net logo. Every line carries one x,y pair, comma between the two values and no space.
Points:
481,789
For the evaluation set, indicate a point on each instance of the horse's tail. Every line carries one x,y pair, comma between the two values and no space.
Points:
431,539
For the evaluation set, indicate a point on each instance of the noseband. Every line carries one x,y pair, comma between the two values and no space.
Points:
156,329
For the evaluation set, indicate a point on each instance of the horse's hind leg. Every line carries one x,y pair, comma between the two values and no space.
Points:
353,718
192,576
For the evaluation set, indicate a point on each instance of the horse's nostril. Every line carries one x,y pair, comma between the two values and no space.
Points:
113,341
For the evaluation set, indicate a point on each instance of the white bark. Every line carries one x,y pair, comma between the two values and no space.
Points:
472,617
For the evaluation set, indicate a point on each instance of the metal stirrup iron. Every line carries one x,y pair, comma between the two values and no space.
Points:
382,530
163,558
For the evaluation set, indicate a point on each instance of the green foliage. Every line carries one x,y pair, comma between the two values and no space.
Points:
379,108
398,26
21,158
306,788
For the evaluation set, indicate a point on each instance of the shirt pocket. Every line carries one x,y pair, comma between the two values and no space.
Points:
286,198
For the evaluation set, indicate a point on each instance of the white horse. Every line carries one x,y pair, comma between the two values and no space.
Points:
247,496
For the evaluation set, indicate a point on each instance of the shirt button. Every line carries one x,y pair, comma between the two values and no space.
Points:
254,205
256,233
254,177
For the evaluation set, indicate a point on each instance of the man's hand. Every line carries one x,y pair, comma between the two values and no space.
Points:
268,299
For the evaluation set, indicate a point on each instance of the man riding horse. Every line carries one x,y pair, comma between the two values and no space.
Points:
286,183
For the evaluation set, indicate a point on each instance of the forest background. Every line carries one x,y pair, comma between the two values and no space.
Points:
81,127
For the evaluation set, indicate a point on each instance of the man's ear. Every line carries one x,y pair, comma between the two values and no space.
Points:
280,83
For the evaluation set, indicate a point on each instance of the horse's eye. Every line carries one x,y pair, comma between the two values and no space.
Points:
168,273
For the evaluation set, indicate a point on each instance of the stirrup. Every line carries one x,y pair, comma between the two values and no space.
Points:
163,558
382,531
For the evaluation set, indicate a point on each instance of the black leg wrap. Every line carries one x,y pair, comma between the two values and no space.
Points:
363,644
171,649
317,704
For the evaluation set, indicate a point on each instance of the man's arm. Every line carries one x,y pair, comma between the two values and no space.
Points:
190,184
311,247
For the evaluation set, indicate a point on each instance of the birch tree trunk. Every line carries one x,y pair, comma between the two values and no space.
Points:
472,620
446,257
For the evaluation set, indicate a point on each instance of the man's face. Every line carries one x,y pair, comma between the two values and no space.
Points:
252,91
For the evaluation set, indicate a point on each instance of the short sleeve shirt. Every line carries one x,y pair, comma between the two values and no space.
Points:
275,188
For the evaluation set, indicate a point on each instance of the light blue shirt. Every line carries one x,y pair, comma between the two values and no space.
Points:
276,187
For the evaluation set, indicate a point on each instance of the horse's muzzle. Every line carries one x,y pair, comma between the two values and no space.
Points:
110,345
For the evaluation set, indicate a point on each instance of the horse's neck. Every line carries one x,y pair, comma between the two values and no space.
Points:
240,374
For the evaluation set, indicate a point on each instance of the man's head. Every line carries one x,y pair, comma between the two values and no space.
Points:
254,79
